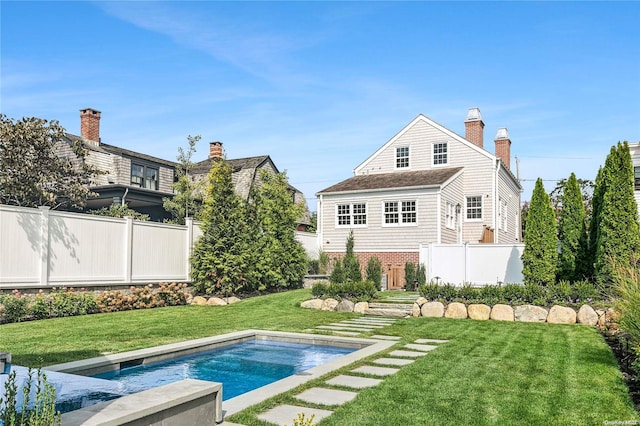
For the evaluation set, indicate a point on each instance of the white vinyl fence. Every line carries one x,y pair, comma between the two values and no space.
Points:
475,264
42,248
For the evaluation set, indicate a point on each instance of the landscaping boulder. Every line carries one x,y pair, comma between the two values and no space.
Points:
479,311
456,310
231,300
561,315
216,301
432,309
312,304
199,300
344,306
501,312
421,301
361,308
587,315
329,304
415,310
530,313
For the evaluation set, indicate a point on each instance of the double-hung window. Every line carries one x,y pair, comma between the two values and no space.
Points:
502,214
144,176
354,214
400,212
636,178
450,216
402,157
440,153
474,207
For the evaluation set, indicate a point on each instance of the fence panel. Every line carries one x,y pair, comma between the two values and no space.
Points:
20,246
159,252
85,249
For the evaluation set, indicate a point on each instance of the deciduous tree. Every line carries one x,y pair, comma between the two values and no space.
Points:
187,201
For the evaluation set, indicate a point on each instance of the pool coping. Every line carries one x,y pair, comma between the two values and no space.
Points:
364,348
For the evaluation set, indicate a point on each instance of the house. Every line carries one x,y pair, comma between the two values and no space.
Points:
246,173
425,185
139,180
634,149
142,181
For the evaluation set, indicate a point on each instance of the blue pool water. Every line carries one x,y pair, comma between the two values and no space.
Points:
240,367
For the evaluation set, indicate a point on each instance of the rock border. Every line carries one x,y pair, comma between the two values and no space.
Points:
422,307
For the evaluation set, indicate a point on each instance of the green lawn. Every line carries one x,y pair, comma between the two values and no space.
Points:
488,373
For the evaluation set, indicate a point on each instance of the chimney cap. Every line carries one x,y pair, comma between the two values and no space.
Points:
474,114
503,133
90,109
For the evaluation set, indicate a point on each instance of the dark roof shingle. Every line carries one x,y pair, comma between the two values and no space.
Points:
418,178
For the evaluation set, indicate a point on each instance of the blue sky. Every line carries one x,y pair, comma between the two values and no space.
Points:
319,86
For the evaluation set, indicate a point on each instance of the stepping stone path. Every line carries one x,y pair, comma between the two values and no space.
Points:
356,326
331,397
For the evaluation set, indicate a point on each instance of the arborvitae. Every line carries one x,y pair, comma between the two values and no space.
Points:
571,232
222,260
281,261
374,271
540,254
594,223
618,235
350,261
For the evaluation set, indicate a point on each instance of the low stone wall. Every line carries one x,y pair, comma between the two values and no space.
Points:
422,307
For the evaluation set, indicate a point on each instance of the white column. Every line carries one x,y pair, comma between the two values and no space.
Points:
44,245
128,249
189,223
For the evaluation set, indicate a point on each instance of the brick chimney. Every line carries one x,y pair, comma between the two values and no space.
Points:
215,149
474,127
90,124
503,146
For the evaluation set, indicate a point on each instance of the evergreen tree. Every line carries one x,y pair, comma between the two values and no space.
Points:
350,262
572,232
282,261
337,275
540,254
223,259
374,271
187,201
594,222
618,234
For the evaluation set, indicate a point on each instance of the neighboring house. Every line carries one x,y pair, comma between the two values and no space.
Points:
139,180
246,173
425,185
634,148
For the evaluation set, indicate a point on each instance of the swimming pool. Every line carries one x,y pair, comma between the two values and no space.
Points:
240,367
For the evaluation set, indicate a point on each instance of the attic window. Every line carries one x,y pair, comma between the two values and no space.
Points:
440,151
402,157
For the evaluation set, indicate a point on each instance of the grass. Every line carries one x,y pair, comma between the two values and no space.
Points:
489,373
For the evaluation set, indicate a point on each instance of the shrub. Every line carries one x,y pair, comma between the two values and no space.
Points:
338,274
409,276
491,294
13,307
584,291
467,294
360,291
313,267
173,294
513,293
560,291
42,411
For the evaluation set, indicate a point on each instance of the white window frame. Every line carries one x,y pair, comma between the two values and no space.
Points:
405,158
400,212
450,216
502,214
467,207
351,215
439,154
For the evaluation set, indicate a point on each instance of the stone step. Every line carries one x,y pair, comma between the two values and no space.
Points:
401,313
374,305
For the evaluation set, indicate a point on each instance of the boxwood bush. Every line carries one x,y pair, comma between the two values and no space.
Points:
359,291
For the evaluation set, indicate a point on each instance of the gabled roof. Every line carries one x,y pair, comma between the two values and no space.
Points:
204,166
106,148
414,179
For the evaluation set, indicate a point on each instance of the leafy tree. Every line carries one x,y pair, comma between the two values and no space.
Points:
223,258
282,260
572,233
618,234
119,210
32,174
350,261
374,271
540,254
187,201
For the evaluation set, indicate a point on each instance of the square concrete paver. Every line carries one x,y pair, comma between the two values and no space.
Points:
333,327
354,382
422,348
286,414
376,371
347,333
381,337
422,341
407,354
393,361
326,396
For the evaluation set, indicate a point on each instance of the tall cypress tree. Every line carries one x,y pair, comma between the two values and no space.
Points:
222,260
572,232
594,223
618,234
540,254
350,262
